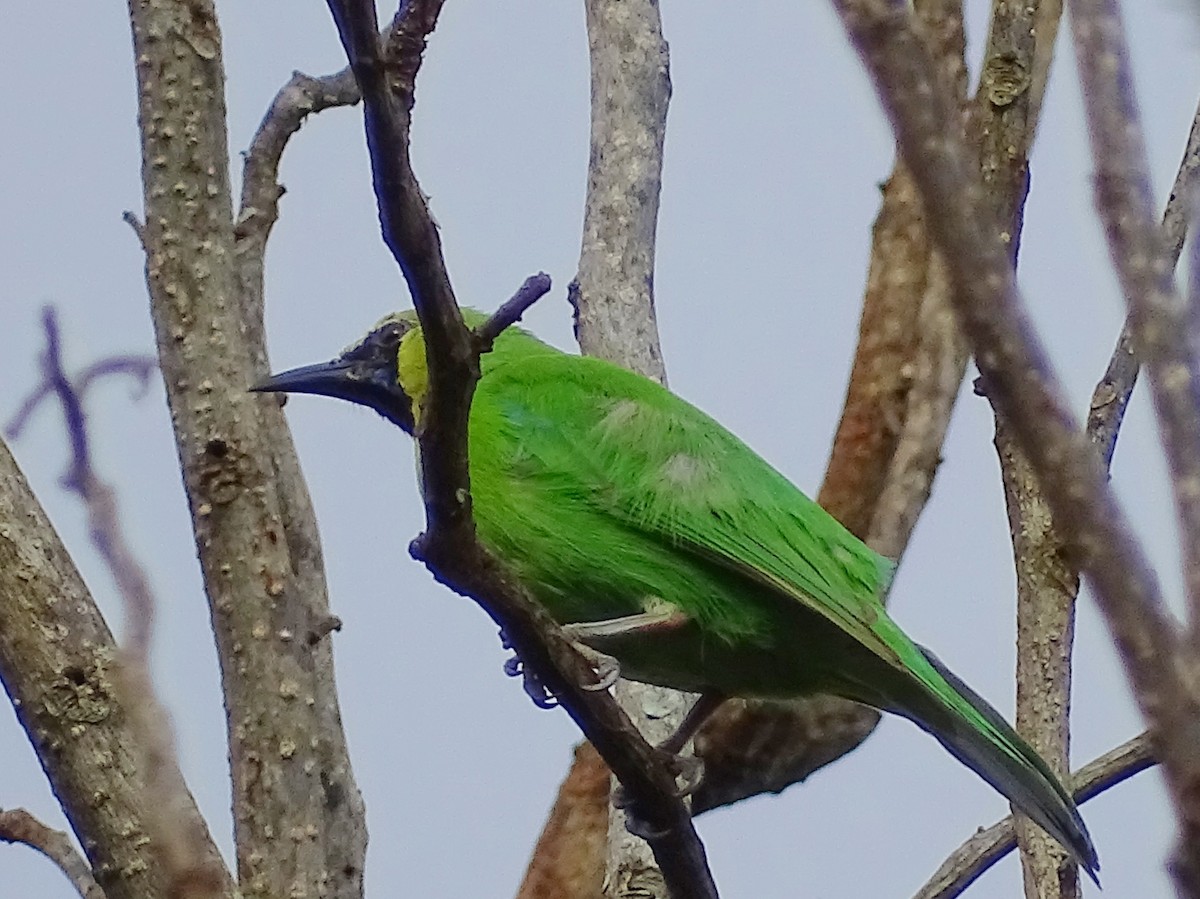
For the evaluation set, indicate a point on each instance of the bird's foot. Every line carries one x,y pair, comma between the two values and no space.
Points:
607,668
534,688
688,771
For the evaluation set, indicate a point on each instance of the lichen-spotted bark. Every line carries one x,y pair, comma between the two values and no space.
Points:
56,664
297,812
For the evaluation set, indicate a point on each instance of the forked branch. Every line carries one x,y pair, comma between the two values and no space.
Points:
990,845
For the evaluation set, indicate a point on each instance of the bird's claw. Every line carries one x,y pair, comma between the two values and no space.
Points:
607,669
640,827
534,688
688,771
689,774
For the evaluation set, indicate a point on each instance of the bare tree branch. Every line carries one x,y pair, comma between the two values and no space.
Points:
613,298
1047,584
1019,379
1160,321
258,209
534,288
613,292
1111,396
182,844
1016,65
57,661
19,826
1164,335
251,516
449,546
988,846
568,860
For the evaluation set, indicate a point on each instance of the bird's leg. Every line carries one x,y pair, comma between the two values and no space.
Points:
696,716
688,770
607,669
585,634
641,624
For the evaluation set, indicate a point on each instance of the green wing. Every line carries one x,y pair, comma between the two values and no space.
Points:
623,451
663,467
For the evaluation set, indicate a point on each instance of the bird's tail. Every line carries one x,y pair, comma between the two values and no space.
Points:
975,733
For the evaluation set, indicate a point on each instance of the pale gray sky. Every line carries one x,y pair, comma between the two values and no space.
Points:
774,150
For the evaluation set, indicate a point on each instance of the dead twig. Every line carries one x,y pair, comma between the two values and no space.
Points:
990,845
534,288
19,826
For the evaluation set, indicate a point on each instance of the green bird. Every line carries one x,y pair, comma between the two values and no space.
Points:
662,540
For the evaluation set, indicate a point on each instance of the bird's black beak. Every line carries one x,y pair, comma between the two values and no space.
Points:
365,375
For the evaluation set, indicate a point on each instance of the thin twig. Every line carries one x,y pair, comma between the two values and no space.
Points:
182,847
449,546
19,826
141,368
139,230
533,289
1111,396
990,845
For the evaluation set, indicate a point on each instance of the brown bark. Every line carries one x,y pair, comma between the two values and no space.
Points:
57,663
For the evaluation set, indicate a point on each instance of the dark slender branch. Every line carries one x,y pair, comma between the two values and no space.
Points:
140,368
19,826
1019,377
302,96
258,207
1111,396
258,210
533,289
449,546
990,845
